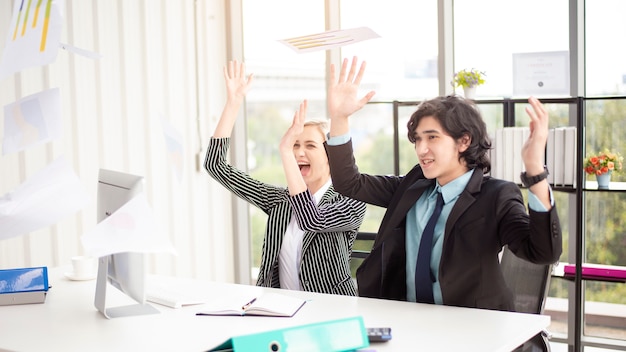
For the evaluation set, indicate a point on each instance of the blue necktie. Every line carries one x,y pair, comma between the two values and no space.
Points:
423,277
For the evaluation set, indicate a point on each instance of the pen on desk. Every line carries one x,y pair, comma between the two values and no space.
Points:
245,306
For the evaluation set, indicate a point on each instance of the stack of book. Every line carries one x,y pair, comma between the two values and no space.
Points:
23,285
506,155
560,157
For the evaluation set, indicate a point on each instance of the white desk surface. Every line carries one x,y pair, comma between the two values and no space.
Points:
68,321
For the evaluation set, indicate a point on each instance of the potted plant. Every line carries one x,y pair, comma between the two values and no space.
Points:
469,80
602,165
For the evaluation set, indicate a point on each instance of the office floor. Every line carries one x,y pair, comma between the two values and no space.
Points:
560,347
560,328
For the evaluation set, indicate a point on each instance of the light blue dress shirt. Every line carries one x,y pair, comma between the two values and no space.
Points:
417,220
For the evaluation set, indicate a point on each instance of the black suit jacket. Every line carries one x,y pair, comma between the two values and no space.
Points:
488,214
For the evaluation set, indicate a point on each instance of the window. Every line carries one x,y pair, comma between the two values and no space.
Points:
402,63
605,224
402,69
605,71
487,40
282,79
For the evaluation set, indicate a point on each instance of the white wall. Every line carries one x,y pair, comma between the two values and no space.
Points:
149,66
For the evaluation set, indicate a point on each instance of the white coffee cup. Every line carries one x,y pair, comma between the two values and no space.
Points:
83,265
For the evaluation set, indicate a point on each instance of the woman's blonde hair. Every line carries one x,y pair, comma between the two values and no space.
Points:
322,126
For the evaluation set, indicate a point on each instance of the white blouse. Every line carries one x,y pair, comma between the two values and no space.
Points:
291,249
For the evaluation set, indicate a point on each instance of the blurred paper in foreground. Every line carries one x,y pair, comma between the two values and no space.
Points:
132,228
32,120
42,200
174,147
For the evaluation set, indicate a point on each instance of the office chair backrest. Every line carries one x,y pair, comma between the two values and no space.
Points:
528,281
363,244
360,250
530,284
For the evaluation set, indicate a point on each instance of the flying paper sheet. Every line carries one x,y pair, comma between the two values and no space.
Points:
33,37
132,228
174,145
45,198
330,39
32,120
82,52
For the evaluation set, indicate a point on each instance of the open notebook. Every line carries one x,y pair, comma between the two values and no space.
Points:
267,304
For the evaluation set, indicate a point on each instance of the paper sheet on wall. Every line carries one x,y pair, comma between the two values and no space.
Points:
132,228
42,200
329,39
31,121
541,73
33,36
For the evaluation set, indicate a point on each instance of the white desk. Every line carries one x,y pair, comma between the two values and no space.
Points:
68,321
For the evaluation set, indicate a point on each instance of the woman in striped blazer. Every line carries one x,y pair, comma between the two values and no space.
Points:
311,228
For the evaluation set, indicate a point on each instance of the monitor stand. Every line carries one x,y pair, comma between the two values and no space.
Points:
101,299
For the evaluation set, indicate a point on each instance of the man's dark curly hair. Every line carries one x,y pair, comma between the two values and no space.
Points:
458,117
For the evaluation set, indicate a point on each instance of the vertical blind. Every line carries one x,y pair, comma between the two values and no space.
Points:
159,60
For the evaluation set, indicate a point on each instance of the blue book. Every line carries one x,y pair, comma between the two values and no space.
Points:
348,334
23,285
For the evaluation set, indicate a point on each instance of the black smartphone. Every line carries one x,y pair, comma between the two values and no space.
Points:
379,334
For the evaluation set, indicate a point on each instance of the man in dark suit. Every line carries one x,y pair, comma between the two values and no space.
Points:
478,214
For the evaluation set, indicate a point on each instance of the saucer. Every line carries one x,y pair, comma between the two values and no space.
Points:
70,275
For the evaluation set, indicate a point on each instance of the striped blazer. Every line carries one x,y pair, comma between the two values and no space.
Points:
330,228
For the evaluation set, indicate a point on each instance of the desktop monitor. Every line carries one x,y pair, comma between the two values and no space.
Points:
124,271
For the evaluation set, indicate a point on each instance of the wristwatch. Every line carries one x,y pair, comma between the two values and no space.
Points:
528,181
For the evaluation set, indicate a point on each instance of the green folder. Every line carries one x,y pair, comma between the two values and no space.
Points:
347,334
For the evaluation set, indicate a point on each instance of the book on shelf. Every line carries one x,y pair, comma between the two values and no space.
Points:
520,135
559,152
550,156
569,159
267,304
508,144
497,170
23,285
597,271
